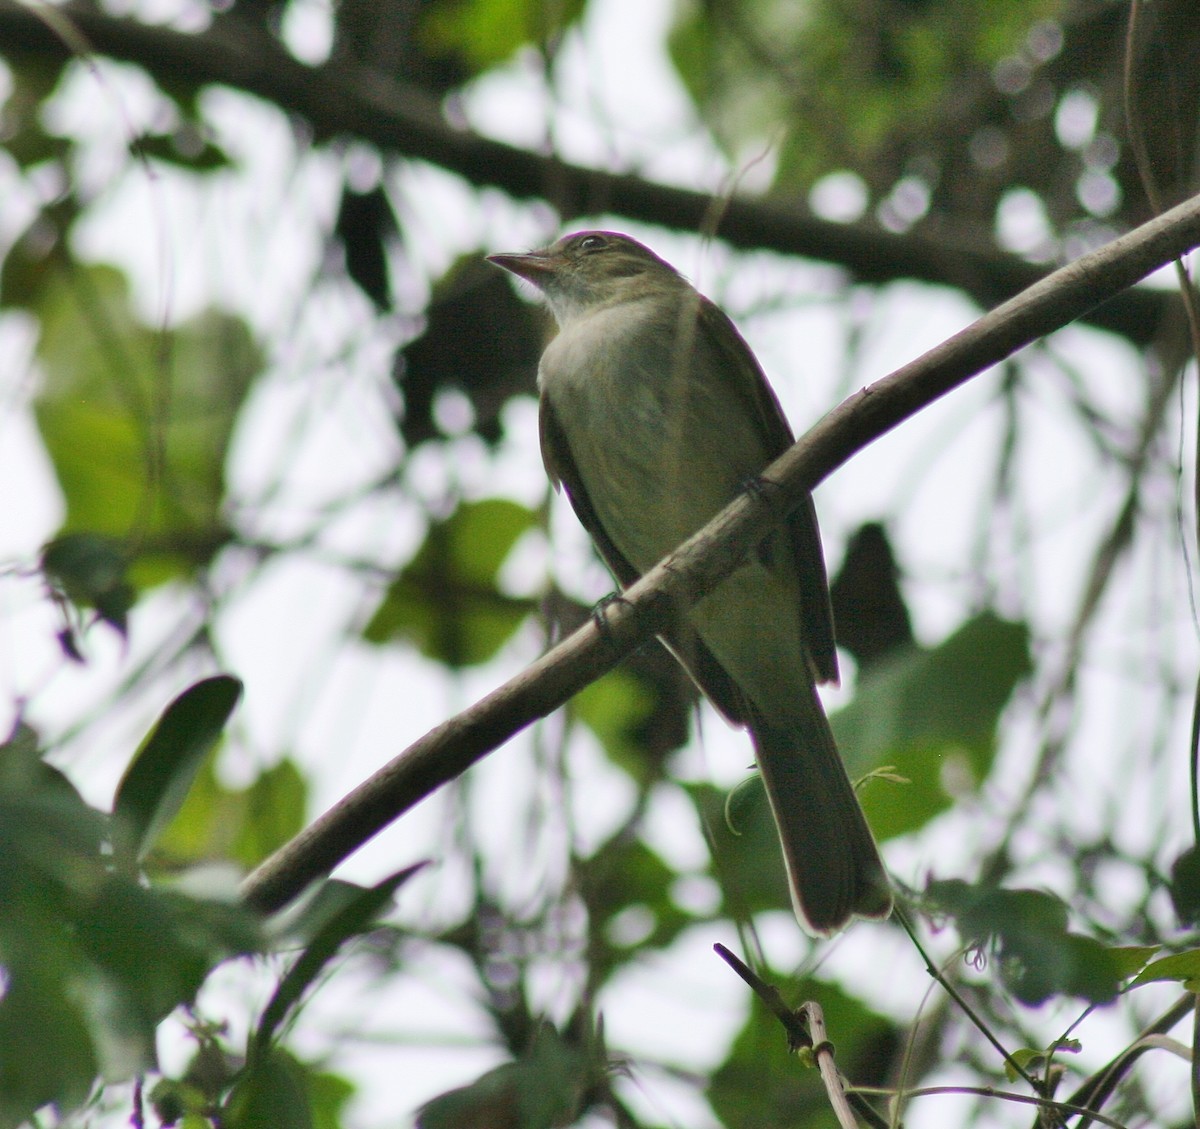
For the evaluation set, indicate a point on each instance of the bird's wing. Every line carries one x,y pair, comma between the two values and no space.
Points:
683,643
759,400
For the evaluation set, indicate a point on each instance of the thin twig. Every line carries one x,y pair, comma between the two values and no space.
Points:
803,1033
822,1050
1097,1089
958,998
1064,1108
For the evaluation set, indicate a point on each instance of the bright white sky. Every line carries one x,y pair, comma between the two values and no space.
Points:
319,426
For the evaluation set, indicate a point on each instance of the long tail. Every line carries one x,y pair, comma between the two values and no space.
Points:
833,865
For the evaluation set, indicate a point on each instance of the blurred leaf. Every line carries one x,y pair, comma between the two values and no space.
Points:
932,715
868,607
625,876
1033,1060
486,32
47,1054
1037,956
186,148
614,708
540,1090
173,1101
90,570
385,35
241,825
26,780
480,339
316,910
1185,887
1128,959
445,601
752,69
152,950
137,421
91,959
744,843
352,917
273,1093
33,76
327,1098
50,840
157,781
365,225
279,1090
1181,967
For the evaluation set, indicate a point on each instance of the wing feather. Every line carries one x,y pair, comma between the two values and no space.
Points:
758,398
684,644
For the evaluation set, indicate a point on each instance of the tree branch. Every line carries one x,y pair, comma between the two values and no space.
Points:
705,559
342,98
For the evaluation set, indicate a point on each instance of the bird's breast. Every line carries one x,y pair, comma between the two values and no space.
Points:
656,445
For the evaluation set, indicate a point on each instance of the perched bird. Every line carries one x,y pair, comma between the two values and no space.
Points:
654,415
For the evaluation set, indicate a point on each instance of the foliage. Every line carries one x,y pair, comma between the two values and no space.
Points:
341,409
94,960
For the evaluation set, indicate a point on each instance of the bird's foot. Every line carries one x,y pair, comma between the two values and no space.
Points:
599,616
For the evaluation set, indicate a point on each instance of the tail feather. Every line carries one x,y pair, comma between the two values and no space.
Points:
834,869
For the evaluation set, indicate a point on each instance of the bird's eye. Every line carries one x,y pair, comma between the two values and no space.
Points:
592,243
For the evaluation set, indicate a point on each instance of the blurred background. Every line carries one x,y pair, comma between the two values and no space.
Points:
264,410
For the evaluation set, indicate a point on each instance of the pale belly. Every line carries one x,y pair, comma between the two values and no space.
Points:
659,456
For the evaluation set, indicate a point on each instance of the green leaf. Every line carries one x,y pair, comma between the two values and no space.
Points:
281,1091
175,1102
1128,959
33,77
741,835
275,806
50,840
540,1090
1180,967
445,601
91,571
92,959
625,875
1033,1060
151,950
352,916
241,825
156,782
273,1093
47,1053
137,421
486,32
1185,887
615,708
1037,956
931,715
764,72
327,1097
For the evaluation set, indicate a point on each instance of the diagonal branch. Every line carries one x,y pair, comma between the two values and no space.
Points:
342,98
706,558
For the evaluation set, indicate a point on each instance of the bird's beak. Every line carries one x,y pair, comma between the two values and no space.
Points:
533,266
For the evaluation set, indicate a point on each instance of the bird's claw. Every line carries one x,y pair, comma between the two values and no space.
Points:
602,605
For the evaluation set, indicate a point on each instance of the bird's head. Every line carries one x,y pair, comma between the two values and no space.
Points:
590,270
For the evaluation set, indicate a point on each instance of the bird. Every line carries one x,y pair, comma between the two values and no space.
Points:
653,415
